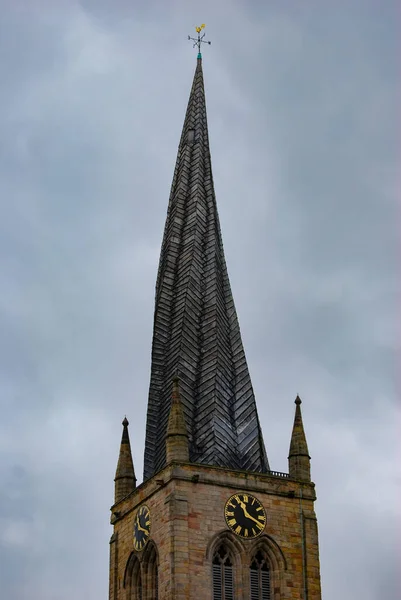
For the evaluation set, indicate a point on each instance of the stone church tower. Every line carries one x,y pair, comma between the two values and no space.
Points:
210,521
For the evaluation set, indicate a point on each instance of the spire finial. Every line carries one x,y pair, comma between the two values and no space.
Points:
298,400
199,40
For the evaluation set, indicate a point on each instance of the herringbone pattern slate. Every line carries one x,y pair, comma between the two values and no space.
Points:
196,333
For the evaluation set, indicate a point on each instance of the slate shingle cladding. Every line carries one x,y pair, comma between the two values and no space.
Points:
196,333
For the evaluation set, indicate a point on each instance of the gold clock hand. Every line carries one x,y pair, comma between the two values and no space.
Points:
246,513
253,519
141,528
243,506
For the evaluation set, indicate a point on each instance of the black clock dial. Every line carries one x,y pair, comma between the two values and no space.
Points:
245,515
141,528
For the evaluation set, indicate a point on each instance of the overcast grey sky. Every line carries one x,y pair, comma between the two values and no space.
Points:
302,106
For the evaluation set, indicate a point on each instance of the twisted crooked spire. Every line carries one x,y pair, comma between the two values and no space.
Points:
196,332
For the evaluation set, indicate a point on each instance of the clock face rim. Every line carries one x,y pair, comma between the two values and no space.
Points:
141,509
231,527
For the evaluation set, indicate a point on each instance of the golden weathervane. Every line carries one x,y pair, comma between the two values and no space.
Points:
199,40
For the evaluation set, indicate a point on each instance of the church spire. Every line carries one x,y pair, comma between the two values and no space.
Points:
196,332
299,459
125,480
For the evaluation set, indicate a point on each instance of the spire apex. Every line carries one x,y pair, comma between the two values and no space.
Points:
125,436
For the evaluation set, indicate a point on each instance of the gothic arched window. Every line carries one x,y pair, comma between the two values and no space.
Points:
154,581
150,572
260,577
223,576
135,580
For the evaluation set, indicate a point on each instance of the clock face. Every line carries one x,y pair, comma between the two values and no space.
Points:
141,528
245,515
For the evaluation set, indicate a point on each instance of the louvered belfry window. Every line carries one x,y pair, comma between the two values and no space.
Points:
223,575
260,578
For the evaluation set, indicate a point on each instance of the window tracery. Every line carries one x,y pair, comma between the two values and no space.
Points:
134,579
259,571
223,574
150,572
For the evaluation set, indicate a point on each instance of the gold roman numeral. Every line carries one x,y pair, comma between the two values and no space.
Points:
238,529
229,513
232,522
246,533
245,497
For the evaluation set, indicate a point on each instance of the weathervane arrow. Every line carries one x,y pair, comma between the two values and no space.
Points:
199,40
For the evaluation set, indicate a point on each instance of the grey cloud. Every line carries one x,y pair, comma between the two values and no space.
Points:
301,116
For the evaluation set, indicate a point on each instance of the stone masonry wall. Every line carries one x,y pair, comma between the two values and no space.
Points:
187,501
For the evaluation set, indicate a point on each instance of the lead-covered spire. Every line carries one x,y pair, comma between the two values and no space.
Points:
196,333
